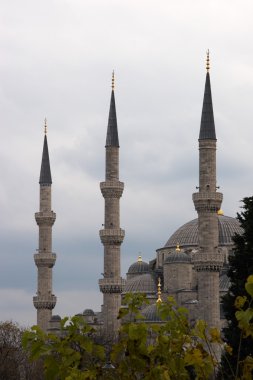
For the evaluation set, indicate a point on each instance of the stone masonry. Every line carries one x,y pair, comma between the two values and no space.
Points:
45,301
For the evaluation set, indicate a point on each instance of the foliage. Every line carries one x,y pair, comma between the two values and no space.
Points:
244,317
167,350
240,267
70,355
14,363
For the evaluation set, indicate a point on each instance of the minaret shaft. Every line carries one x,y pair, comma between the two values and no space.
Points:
112,215
112,163
207,165
45,198
112,261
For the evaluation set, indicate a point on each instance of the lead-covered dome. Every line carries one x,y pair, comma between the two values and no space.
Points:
139,267
88,312
143,283
178,257
151,313
56,318
187,235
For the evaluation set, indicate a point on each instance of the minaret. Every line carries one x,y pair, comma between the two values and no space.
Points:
45,301
111,235
208,260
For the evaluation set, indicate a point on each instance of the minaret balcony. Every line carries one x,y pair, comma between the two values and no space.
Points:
45,218
208,262
112,236
207,201
45,259
112,189
41,302
111,285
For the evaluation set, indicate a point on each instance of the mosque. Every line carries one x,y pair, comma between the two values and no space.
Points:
192,264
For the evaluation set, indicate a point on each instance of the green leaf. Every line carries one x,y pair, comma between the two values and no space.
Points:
240,302
249,285
244,318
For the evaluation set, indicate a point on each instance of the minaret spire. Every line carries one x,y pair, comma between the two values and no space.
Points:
45,172
111,235
112,138
208,261
45,301
207,126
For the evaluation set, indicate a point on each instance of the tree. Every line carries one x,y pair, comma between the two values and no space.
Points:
240,267
14,364
10,350
71,355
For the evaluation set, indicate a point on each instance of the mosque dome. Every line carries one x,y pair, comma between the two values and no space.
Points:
56,318
151,313
143,283
178,257
139,267
88,312
187,235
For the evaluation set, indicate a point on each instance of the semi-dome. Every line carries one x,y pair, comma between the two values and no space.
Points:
187,235
138,267
143,283
178,257
151,313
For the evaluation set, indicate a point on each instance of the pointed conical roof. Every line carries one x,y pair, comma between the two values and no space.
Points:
207,127
112,138
45,172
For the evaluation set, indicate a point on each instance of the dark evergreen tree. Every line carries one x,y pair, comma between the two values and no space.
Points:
240,267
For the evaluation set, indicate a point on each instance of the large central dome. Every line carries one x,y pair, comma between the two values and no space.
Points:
187,235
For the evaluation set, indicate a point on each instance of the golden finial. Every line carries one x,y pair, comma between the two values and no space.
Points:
207,61
139,259
45,126
113,81
159,291
178,248
220,212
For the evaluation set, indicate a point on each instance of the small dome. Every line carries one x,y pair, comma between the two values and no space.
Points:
178,257
138,267
88,312
151,313
56,318
143,283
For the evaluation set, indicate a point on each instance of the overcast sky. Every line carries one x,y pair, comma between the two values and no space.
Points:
56,59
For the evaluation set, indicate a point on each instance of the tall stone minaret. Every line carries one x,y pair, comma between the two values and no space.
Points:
111,235
45,301
208,260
